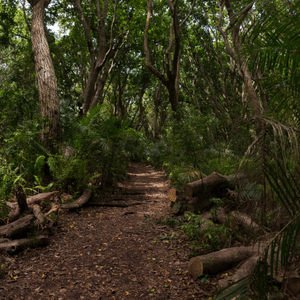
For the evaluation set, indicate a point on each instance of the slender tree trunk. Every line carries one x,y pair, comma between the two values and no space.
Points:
100,56
236,52
157,101
171,79
98,98
45,75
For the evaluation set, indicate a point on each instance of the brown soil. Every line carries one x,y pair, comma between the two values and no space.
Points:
109,252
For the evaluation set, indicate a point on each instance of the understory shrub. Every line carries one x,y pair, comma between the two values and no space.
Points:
100,149
192,148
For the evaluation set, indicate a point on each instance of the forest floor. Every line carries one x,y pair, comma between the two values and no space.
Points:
110,252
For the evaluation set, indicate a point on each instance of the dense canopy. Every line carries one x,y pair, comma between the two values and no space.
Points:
193,86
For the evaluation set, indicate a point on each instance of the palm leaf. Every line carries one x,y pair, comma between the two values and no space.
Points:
269,161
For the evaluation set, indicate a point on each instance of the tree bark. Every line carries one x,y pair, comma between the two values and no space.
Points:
216,262
79,202
236,52
100,58
45,75
42,219
16,227
246,222
36,199
22,205
157,101
205,186
171,80
16,246
244,270
213,184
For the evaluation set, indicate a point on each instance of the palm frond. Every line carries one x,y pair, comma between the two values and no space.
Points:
273,158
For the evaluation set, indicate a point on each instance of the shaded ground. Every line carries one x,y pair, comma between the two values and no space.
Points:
109,252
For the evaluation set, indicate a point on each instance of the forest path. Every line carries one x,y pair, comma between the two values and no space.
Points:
109,252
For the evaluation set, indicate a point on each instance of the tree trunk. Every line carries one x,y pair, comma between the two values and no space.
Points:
45,75
157,101
100,56
236,52
171,80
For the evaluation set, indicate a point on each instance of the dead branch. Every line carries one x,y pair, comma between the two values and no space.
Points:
79,202
42,219
36,199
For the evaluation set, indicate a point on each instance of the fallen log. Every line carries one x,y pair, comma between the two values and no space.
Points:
216,262
79,202
213,185
4,240
16,246
16,227
175,195
179,203
205,185
12,205
244,270
198,204
247,222
36,199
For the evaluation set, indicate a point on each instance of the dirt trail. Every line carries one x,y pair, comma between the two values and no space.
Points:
109,252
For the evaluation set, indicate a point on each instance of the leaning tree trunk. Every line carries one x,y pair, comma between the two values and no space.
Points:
45,74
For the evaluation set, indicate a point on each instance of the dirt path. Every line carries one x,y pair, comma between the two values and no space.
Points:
109,252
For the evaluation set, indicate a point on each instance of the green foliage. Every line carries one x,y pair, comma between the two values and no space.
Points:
206,236
107,145
17,155
192,148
